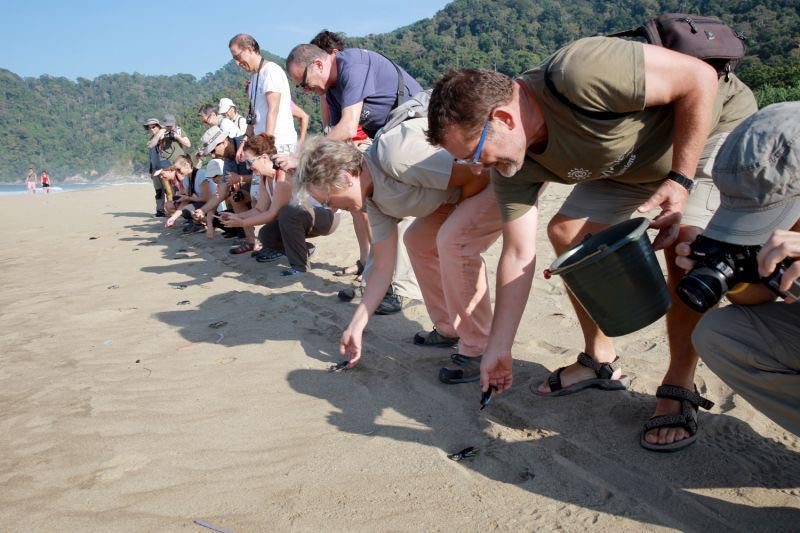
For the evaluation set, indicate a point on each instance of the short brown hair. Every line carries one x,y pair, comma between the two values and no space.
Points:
261,144
465,98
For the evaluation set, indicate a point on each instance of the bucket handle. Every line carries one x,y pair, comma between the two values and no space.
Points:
600,249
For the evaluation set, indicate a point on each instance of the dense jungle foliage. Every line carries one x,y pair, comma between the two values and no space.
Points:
93,127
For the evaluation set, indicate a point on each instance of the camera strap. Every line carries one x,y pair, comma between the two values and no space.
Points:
254,90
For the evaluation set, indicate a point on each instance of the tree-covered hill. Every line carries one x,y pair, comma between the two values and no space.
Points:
93,127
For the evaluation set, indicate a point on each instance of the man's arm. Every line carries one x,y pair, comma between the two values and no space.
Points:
514,278
182,139
689,85
273,106
153,142
347,127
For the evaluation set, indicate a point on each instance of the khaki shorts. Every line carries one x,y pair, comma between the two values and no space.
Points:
610,202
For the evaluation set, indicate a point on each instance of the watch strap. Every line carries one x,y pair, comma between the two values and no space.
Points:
682,180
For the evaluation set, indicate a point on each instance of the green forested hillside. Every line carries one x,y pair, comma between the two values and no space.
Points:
92,127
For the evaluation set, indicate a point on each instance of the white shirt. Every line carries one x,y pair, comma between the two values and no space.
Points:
272,78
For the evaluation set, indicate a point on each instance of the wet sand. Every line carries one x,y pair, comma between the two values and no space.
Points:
121,409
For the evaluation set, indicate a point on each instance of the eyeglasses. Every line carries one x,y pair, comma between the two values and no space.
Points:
249,162
476,159
302,84
238,57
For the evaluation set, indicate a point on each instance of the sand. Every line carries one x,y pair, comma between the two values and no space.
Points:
121,409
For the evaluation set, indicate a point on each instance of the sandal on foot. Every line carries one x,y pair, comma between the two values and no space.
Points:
603,381
434,338
691,401
241,248
463,370
356,270
268,255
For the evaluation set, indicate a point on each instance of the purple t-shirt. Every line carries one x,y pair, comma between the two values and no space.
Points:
369,77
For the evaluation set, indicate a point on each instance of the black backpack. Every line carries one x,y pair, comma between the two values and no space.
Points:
706,38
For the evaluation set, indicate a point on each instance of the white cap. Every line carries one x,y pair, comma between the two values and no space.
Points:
225,104
214,168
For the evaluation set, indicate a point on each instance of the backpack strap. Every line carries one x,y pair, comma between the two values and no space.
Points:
401,89
599,115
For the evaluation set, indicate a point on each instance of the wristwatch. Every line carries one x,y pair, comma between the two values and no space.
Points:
682,180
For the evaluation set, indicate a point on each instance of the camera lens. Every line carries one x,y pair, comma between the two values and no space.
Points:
702,288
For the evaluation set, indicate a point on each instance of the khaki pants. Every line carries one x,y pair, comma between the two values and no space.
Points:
756,351
445,248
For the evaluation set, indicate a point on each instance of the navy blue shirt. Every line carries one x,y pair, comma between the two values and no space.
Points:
368,77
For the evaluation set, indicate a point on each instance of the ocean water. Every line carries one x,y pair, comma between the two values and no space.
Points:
21,188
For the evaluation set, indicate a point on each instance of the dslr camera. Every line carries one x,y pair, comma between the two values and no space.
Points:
169,134
238,196
250,118
721,266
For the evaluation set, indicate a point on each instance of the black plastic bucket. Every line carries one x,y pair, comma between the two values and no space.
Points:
616,278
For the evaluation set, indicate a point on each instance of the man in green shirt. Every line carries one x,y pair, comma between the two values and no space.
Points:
636,128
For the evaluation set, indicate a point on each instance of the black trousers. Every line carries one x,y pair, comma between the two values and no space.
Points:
288,232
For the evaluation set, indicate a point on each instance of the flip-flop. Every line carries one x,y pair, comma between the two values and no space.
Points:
355,270
603,381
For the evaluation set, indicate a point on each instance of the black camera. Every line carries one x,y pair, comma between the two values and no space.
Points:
238,196
169,134
250,118
720,267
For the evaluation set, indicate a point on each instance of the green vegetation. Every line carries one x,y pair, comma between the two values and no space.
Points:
93,127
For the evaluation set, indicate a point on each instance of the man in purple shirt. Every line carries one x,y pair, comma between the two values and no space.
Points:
360,86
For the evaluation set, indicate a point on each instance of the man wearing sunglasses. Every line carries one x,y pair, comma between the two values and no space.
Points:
635,127
361,87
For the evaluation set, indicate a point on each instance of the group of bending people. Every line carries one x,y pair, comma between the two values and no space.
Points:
434,178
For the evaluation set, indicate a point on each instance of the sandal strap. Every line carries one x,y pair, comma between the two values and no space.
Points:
602,370
674,392
672,421
554,380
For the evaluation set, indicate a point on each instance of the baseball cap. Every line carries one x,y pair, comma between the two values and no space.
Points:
757,171
169,121
151,122
211,138
225,104
214,168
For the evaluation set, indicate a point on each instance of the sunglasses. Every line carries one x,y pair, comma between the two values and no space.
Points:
303,84
475,162
249,162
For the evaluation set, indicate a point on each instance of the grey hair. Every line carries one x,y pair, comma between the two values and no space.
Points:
323,163
303,54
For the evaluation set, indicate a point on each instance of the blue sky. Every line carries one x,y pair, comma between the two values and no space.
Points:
74,38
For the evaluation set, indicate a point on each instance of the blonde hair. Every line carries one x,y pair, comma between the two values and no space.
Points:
323,164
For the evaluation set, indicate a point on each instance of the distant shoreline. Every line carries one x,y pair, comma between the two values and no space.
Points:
19,189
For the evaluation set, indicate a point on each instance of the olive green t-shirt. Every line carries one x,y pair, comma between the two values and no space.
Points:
603,74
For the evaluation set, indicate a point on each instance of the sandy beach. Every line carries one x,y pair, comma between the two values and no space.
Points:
148,379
